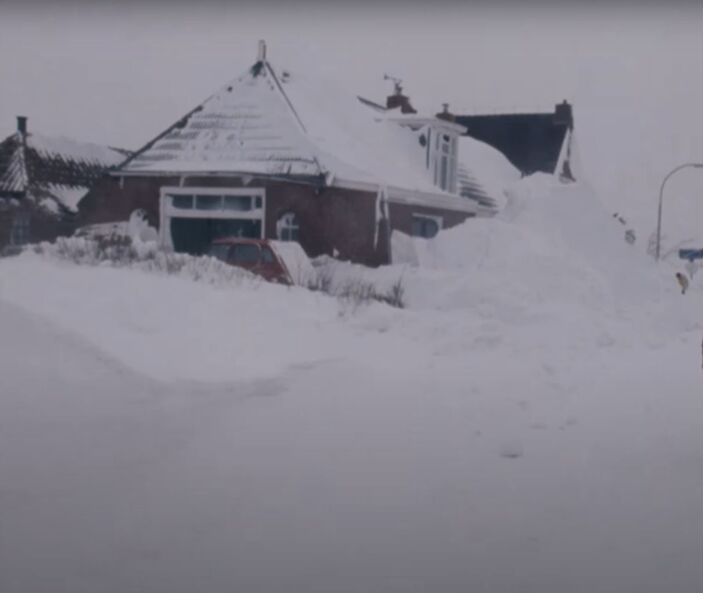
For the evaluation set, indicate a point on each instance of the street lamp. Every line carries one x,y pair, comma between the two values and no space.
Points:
662,187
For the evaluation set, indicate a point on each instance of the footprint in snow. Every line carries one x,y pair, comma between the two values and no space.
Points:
511,450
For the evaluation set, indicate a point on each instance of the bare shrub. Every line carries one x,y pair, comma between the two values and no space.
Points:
395,295
322,282
359,292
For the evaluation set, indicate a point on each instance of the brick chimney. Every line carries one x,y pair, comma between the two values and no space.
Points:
445,113
22,125
563,114
398,99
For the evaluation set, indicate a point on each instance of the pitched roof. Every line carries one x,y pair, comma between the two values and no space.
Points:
246,126
290,123
53,171
531,141
484,174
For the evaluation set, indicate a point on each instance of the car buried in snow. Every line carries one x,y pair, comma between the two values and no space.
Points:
275,261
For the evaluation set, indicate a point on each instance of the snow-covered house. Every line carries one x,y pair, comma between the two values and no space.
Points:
280,154
42,179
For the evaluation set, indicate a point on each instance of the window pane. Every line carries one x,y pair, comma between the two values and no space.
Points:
425,227
241,203
246,254
220,251
431,228
185,202
444,169
267,255
208,202
287,227
258,202
19,231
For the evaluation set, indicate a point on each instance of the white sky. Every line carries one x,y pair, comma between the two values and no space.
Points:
121,74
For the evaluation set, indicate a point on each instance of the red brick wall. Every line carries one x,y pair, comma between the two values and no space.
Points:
330,218
401,216
43,226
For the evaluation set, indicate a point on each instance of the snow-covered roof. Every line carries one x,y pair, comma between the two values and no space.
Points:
290,123
484,174
57,169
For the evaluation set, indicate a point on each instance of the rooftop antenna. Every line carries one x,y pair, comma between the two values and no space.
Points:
397,83
261,53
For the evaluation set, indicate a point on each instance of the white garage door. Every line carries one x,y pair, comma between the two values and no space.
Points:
193,217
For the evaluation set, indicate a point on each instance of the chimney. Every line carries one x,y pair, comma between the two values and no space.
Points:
261,54
445,113
398,99
563,114
22,125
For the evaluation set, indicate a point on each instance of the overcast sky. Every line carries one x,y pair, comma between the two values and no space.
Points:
121,73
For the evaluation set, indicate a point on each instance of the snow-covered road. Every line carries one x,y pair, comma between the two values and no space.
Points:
345,476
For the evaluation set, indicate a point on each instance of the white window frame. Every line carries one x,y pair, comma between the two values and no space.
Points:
436,219
168,211
438,154
296,226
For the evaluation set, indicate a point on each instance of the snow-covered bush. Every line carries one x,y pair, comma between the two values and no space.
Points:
122,251
119,250
359,292
349,283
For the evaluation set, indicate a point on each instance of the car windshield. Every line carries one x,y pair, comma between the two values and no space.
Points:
267,255
245,254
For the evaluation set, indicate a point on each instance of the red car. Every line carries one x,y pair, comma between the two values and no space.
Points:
254,255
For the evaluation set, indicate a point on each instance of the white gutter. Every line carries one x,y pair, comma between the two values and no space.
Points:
401,195
395,194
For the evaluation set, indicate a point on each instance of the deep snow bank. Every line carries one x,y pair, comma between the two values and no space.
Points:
550,279
171,327
573,220
552,243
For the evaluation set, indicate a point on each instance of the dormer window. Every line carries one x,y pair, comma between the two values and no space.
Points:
443,171
437,139
444,161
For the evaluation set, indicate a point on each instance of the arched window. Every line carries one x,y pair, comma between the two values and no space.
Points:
426,226
287,227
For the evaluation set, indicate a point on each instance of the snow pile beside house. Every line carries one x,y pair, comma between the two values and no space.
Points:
551,270
551,243
480,164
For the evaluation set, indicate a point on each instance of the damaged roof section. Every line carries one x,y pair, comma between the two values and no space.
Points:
55,172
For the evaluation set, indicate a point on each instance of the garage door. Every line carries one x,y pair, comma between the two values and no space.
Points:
192,218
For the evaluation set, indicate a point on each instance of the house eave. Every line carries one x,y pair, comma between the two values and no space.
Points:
401,195
434,122
307,179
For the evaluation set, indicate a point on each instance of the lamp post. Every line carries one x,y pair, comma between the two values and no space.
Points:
662,187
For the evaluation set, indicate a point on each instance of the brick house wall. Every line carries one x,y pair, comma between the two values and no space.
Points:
332,220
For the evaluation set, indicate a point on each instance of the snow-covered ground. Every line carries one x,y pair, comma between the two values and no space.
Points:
531,421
